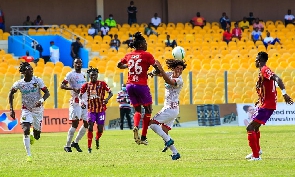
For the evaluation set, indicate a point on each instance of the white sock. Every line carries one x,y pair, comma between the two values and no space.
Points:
26,140
157,129
71,133
80,134
173,149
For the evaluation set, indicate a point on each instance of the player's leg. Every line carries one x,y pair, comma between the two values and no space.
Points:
136,120
127,114
91,120
100,119
82,130
37,123
166,127
252,138
145,123
73,116
26,121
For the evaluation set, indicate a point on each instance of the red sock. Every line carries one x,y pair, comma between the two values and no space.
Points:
136,118
90,136
145,124
98,135
258,137
253,143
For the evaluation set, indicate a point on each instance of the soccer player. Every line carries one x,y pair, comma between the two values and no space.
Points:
169,112
32,104
138,63
75,79
267,93
96,102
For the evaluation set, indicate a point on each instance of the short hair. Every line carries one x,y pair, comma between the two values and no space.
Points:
23,66
246,107
138,39
173,63
91,69
77,38
263,56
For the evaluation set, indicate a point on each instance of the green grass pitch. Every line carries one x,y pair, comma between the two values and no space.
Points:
205,151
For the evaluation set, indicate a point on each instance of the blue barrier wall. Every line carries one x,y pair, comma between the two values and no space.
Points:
16,46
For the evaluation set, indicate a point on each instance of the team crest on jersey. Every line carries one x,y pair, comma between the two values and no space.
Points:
35,85
23,118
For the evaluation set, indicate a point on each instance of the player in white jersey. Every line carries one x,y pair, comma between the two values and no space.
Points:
32,104
169,112
75,79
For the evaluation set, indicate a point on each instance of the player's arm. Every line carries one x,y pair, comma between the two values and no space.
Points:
287,98
64,85
11,97
45,96
121,65
167,79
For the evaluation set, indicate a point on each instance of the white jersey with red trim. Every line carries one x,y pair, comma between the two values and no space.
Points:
75,80
30,91
172,92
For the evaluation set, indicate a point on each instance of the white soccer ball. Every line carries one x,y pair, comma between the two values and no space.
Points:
178,53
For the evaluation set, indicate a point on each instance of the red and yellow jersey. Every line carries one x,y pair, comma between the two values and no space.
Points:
266,89
95,94
138,63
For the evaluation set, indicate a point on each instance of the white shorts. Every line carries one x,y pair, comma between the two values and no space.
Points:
76,112
166,116
34,117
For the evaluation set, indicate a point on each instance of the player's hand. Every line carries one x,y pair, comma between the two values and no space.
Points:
76,90
38,104
12,114
288,99
105,101
151,74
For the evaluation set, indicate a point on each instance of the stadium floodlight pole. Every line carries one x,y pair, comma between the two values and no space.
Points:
156,90
225,87
190,87
55,91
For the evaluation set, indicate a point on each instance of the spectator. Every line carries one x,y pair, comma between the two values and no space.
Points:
270,40
125,108
227,36
258,24
104,30
28,22
256,35
27,57
148,30
289,18
237,32
251,18
169,42
98,23
2,20
129,40
132,10
111,22
156,21
38,21
54,53
75,47
115,43
244,24
198,20
92,31
224,21
35,45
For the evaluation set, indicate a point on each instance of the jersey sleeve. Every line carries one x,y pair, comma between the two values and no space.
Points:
124,60
41,84
83,88
266,73
15,86
106,87
150,58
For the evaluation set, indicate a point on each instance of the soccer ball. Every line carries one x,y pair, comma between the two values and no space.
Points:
178,53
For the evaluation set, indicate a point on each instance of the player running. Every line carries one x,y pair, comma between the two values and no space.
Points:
138,63
267,93
96,104
169,112
75,79
32,104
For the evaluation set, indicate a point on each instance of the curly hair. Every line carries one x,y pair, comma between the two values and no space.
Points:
263,56
138,40
23,66
173,63
92,70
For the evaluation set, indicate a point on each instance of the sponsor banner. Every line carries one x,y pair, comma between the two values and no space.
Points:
283,115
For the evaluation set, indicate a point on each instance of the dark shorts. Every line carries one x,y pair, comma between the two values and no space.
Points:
99,118
262,115
139,94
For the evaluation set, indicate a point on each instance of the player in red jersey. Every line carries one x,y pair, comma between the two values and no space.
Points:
267,93
96,104
138,63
